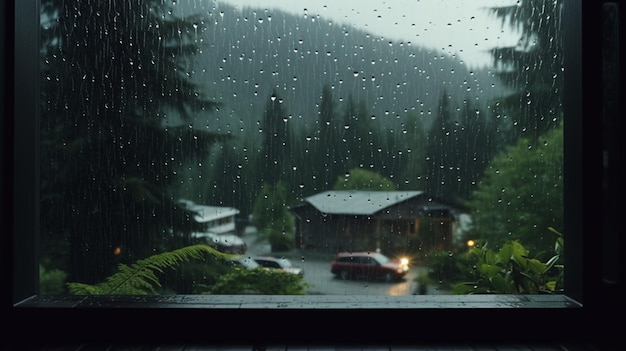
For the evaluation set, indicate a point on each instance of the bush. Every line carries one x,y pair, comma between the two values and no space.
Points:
446,267
260,281
280,241
511,270
51,282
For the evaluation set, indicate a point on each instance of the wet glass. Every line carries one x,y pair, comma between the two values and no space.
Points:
182,134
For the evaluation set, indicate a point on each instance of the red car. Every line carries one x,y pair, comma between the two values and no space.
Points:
369,266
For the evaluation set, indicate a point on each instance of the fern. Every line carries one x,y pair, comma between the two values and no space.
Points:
141,278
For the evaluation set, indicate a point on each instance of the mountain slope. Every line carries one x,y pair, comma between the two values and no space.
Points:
252,52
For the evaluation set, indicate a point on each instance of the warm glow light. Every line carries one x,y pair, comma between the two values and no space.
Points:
117,251
471,243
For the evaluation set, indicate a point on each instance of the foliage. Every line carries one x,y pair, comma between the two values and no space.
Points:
521,192
272,217
118,101
194,276
532,68
260,281
458,149
446,267
423,280
412,160
276,145
325,153
51,282
141,278
362,179
511,271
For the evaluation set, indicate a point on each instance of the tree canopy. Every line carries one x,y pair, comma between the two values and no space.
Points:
116,126
521,194
532,68
362,179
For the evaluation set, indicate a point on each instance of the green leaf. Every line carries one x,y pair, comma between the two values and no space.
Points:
505,253
140,277
489,271
551,262
551,285
463,288
499,284
536,266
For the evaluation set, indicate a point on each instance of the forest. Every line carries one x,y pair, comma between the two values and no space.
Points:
305,102
142,107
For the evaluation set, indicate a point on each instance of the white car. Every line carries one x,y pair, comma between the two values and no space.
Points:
279,263
227,243
244,262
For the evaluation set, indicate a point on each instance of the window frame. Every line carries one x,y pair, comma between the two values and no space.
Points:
202,318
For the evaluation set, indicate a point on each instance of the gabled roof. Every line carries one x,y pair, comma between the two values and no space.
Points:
358,202
203,213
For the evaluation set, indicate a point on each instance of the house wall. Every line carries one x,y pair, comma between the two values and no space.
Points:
397,229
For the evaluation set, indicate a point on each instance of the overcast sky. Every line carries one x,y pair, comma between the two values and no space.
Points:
457,27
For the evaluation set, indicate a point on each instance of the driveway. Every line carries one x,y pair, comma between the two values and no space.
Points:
323,282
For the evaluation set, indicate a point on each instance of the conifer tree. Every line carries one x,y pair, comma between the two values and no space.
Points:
276,144
412,150
326,157
533,68
117,124
440,158
356,129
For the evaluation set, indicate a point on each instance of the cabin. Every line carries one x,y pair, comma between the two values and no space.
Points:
211,219
389,221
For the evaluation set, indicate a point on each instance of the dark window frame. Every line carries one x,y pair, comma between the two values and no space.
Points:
314,319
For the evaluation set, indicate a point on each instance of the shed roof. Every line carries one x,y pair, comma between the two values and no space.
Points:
358,202
203,213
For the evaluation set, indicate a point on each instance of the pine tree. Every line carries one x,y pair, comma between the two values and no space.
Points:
274,158
326,158
355,135
412,173
440,152
520,196
117,124
532,69
475,147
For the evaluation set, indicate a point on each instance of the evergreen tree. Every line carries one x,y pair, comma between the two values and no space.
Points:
276,144
532,69
356,139
362,179
520,195
412,174
232,181
272,216
115,79
326,167
459,148
475,147
440,152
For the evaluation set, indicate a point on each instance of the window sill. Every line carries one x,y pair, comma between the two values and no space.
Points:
315,302
302,319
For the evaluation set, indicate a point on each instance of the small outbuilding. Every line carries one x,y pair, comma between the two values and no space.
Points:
212,219
390,221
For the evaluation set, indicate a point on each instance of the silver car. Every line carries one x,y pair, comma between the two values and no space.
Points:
279,263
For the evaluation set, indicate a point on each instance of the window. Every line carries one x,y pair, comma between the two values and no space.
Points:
579,303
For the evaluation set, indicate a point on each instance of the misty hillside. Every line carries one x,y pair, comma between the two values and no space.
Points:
254,51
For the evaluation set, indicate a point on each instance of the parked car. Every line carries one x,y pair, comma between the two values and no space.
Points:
282,263
227,243
243,262
368,266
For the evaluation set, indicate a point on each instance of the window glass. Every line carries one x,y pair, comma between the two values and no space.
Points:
178,135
